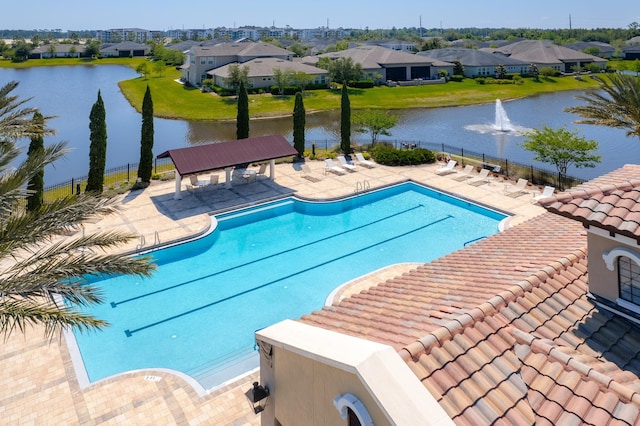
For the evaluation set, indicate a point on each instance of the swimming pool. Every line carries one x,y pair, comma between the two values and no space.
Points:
274,261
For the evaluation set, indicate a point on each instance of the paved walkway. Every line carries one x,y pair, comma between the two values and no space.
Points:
37,381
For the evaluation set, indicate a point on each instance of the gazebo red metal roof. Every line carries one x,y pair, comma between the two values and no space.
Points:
202,158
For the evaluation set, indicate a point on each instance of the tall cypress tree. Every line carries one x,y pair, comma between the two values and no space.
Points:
98,147
242,121
146,139
299,119
345,121
36,183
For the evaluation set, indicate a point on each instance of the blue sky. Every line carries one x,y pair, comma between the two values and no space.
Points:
160,15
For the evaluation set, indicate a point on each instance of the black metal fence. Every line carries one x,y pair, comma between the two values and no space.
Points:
113,178
503,166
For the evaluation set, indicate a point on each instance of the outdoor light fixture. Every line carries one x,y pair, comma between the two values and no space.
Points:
258,397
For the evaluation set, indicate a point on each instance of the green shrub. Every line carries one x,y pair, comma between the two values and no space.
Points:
139,185
456,78
362,84
481,80
390,156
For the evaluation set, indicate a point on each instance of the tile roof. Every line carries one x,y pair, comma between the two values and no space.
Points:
611,202
471,57
544,51
504,332
265,66
371,57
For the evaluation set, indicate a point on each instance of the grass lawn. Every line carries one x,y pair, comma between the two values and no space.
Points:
173,100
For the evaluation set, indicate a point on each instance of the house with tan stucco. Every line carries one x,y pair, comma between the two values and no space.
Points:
202,58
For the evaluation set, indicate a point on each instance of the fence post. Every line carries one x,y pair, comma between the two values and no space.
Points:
532,177
128,177
155,165
71,186
506,167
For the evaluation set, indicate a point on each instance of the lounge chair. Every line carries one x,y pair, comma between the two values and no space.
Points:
481,179
446,169
363,161
466,173
546,193
345,164
331,167
308,174
516,190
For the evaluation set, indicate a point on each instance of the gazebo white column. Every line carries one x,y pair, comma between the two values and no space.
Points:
272,169
227,179
178,194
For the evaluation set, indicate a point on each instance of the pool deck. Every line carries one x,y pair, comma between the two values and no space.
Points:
38,384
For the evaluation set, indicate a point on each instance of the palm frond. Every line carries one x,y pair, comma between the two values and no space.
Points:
19,314
618,107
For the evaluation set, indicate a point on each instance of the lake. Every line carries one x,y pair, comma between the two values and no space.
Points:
69,92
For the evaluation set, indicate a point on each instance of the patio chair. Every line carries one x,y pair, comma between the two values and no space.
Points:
466,173
481,179
331,167
345,164
363,161
308,174
446,169
546,193
262,170
516,190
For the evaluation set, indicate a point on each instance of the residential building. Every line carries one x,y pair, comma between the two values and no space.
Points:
117,35
261,72
203,58
477,63
382,64
604,50
545,54
57,50
125,49
401,45
519,328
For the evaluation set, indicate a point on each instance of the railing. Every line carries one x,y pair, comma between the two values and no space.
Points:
514,170
113,177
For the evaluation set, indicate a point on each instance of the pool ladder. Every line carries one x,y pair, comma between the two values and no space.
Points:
362,186
143,240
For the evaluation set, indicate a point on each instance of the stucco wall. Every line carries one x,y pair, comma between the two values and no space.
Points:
602,281
309,388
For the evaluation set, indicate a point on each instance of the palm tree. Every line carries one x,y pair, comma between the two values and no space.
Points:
618,107
43,276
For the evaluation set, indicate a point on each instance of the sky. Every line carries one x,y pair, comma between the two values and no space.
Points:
160,15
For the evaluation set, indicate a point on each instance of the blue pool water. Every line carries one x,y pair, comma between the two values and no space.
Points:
280,260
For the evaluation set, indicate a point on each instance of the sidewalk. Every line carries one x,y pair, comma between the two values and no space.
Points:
37,382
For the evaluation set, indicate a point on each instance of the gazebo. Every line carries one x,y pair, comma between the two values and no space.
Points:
226,155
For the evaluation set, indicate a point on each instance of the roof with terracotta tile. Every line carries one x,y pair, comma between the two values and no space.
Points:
503,332
611,202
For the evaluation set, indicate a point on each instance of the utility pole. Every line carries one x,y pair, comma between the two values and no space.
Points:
420,26
569,21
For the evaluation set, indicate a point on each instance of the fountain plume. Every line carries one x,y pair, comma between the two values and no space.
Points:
502,122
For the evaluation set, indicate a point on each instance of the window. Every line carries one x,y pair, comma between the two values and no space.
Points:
629,280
